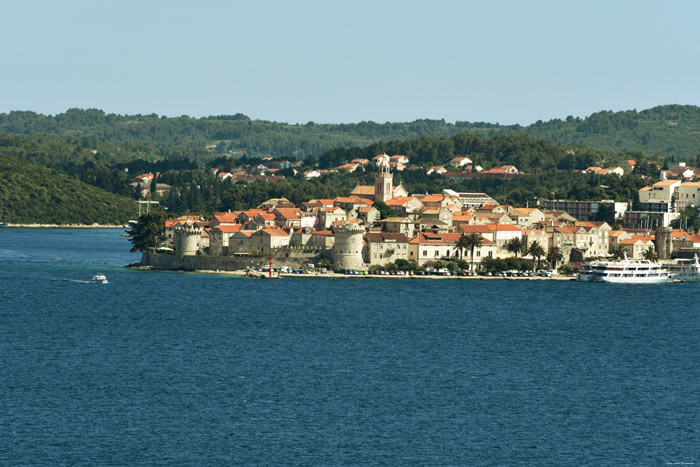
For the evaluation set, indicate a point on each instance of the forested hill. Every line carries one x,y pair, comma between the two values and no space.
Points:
34,194
671,131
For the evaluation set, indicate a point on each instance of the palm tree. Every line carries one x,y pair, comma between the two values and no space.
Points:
618,252
554,255
462,244
473,241
536,251
514,246
650,254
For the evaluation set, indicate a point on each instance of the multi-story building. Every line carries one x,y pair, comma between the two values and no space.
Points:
660,196
582,209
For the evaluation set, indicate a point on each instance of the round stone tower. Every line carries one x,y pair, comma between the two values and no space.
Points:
664,242
347,249
186,237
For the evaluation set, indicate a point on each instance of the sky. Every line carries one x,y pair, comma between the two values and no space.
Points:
327,61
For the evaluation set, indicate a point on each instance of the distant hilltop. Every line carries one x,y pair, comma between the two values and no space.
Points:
669,131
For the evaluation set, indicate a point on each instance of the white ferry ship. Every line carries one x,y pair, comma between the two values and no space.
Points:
624,272
687,270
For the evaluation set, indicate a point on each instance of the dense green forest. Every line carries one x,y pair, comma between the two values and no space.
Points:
526,153
548,166
671,131
195,189
35,194
89,147
200,192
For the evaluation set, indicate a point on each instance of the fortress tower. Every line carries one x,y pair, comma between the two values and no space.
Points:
664,242
347,249
383,181
186,237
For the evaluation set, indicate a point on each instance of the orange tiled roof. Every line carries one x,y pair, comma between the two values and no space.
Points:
229,228
275,232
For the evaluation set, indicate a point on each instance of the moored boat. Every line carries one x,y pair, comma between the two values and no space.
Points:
624,271
687,270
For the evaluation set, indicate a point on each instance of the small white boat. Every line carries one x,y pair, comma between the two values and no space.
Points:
99,279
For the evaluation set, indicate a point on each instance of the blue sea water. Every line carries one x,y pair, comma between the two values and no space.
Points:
166,368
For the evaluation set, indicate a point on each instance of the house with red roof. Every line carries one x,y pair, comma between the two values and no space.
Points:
636,245
327,216
224,218
525,217
219,238
269,239
402,225
384,247
405,205
460,161
350,168
428,246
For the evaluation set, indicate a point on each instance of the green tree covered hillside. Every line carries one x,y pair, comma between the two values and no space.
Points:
35,194
671,131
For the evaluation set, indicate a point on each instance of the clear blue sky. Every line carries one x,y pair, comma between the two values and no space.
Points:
328,61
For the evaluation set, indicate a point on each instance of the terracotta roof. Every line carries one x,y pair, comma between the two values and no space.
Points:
226,217
432,198
666,183
504,227
475,229
635,239
229,228
526,210
363,190
399,200
353,200
275,232
379,237
324,232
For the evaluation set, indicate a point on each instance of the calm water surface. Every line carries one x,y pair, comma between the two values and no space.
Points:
192,369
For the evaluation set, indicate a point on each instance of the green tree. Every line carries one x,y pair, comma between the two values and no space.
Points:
618,252
650,254
536,251
554,255
462,244
384,210
514,246
148,231
473,241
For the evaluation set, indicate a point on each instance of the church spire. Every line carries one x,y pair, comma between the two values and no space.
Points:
383,181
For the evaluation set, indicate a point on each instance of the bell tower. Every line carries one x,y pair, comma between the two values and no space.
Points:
383,181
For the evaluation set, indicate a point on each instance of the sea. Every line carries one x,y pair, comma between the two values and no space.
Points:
172,368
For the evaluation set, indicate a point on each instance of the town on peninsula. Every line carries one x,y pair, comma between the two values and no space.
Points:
383,229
